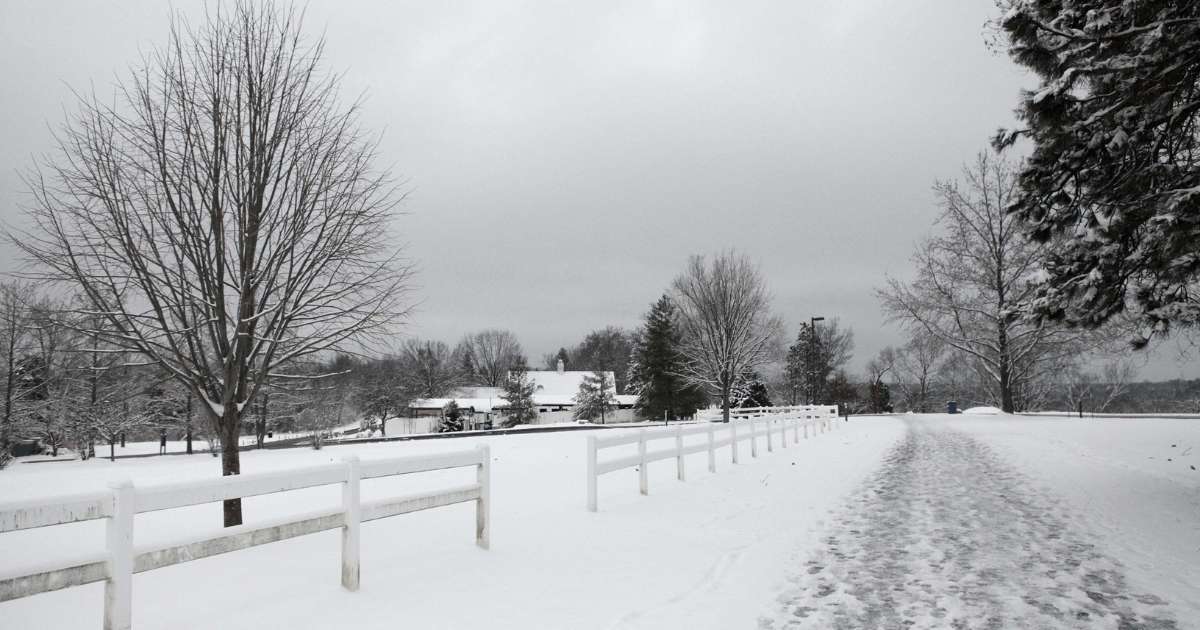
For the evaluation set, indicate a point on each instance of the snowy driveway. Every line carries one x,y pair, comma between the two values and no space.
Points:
946,535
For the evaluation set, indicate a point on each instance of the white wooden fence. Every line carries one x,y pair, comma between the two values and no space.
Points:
775,421
116,565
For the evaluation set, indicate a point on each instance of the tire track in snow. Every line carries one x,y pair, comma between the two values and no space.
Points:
713,578
946,535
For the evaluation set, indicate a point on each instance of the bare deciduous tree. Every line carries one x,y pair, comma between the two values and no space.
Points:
724,313
1082,389
917,367
15,301
382,394
974,280
489,355
428,368
878,395
224,216
51,394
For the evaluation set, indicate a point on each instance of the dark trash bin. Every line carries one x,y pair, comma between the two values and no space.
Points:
952,406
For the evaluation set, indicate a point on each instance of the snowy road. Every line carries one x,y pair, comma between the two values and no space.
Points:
948,535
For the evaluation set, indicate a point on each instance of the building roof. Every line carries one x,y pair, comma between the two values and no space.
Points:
564,383
554,388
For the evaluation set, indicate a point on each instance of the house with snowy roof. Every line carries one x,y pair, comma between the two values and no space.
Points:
555,391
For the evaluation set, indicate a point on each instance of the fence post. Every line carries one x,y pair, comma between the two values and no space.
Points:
680,472
770,446
733,440
796,431
483,506
753,437
118,588
352,506
712,453
643,474
591,473
805,423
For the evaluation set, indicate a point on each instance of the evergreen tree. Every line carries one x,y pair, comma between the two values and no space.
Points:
811,362
753,392
1114,176
842,392
595,398
879,397
451,418
799,368
518,392
656,364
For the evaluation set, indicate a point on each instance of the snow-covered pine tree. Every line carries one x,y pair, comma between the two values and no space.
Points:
1114,175
451,418
810,363
518,392
752,392
656,365
595,398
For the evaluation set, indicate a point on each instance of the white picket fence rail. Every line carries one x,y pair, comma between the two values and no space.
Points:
116,565
775,421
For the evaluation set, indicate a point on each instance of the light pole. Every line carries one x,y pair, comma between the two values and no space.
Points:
812,357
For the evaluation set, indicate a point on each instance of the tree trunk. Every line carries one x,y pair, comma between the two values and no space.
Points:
189,423
230,462
383,426
1005,372
260,426
5,427
112,455
725,403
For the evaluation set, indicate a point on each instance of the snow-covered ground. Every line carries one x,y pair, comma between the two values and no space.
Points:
950,533
707,553
1133,483
1045,518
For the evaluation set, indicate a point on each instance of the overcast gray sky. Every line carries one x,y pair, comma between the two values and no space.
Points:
564,158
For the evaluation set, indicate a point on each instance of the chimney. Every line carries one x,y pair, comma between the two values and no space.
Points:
561,367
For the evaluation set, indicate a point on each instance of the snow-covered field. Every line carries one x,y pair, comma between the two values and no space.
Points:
732,550
707,553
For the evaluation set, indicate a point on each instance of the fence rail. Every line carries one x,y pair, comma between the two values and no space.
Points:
775,421
116,565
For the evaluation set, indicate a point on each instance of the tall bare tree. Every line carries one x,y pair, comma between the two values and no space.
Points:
382,394
15,302
974,281
878,393
223,215
488,355
429,369
916,368
51,388
728,329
